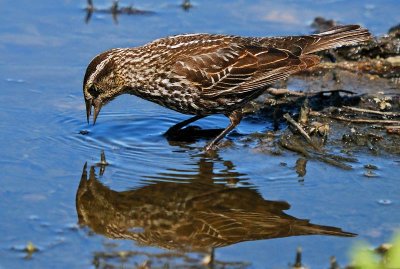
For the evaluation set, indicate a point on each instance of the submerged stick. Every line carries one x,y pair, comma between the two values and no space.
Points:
300,129
290,143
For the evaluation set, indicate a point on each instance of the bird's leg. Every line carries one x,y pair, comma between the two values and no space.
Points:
209,258
174,129
235,117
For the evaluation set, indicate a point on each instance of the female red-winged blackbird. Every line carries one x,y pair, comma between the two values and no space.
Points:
196,215
204,74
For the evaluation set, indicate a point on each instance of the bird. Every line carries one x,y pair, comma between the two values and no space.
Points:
205,74
188,212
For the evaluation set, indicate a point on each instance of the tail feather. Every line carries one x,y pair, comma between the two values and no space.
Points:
304,227
337,37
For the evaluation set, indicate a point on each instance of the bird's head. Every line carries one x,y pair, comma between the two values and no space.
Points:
101,83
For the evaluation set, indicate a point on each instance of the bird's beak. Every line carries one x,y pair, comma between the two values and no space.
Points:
88,109
97,104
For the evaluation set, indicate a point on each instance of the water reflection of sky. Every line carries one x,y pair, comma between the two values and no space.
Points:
44,49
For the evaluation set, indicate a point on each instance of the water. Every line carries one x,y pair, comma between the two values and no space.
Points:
45,47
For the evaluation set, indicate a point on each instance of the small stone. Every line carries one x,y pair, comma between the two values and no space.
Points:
83,132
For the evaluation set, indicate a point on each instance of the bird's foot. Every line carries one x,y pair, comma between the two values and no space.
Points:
210,147
211,151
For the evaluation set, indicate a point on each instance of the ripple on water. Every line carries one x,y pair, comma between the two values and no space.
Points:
137,150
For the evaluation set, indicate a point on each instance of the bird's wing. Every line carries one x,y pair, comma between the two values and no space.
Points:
237,69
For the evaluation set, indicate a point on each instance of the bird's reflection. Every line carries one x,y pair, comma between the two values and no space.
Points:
197,215
115,10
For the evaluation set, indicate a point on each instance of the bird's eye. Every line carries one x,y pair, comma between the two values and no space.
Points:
93,92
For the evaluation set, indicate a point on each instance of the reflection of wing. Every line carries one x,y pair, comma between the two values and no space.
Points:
217,229
190,216
240,68
228,216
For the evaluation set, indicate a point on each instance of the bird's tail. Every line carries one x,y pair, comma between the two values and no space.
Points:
336,37
304,227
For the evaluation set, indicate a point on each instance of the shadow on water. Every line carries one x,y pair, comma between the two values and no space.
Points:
189,211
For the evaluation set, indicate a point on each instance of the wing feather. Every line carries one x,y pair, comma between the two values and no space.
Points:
240,68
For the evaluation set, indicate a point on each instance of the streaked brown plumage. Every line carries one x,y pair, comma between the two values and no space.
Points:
194,215
204,74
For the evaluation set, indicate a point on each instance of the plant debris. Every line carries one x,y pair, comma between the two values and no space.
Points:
350,105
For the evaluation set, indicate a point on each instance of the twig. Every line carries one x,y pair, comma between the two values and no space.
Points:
301,130
331,159
335,91
275,92
333,162
365,120
317,114
286,143
393,129
393,114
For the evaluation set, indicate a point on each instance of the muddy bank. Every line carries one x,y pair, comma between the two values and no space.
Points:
338,108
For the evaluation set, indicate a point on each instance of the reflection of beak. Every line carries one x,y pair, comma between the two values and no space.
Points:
84,172
97,103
